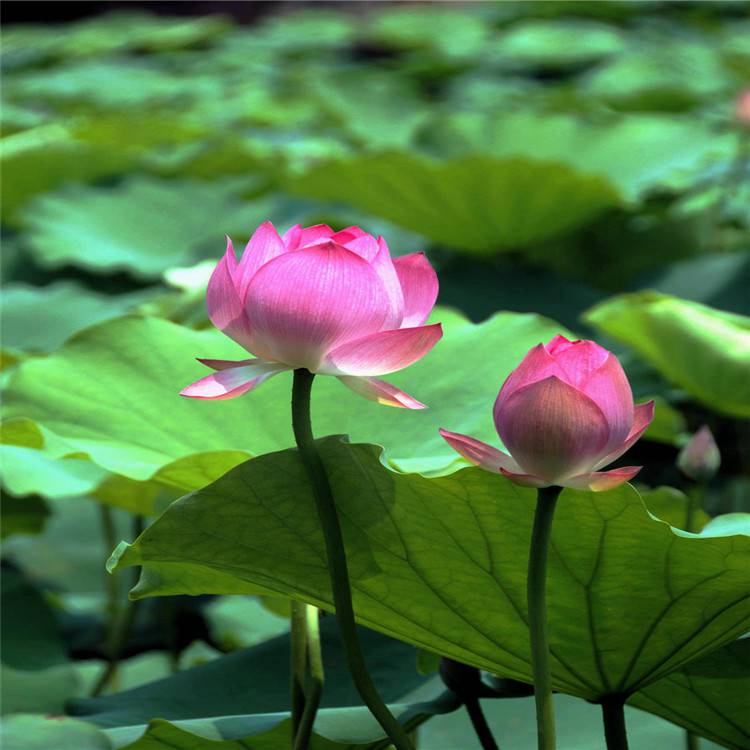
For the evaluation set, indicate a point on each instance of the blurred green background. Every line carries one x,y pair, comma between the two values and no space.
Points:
549,157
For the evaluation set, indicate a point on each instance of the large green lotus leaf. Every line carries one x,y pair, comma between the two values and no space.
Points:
111,392
41,318
701,349
226,687
113,32
34,463
707,696
104,84
143,226
377,109
251,680
448,32
557,43
479,204
635,153
452,555
664,73
37,160
28,731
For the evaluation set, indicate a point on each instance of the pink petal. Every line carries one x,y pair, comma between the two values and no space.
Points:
578,360
233,381
303,304
552,429
365,245
382,392
419,283
558,344
537,365
479,453
383,352
264,245
314,235
385,268
290,238
525,480
224,306
608,387
642,416
600,481
347,235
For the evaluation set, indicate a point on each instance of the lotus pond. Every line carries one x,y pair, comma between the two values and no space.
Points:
570,171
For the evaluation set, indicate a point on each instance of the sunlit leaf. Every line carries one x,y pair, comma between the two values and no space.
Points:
143,226
452,554
84,393
557,44
482,204
703,350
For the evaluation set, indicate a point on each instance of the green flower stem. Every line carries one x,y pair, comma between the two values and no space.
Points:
536,586
695,494
298,634
313,679
337,566
613,713
120,618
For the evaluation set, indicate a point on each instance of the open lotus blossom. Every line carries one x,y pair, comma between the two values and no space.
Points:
564,413
335,303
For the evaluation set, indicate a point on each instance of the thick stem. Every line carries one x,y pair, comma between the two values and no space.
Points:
337,566
692,741
613,713
298,659
313,679
479,722
536,586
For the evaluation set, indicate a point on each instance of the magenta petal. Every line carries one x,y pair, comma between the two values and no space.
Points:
479,453
305,303
525,480
552,429
419,284
382,392
264,245
223,303
365,245
642,416
383,352
232,382
600,481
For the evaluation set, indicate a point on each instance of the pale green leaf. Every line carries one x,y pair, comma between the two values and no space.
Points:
703,350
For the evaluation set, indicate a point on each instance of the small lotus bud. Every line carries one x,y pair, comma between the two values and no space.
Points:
700,458
742,109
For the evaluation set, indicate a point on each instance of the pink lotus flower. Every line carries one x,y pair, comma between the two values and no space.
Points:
332,302
564,413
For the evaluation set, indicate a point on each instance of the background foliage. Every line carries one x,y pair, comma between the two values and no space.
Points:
575,161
